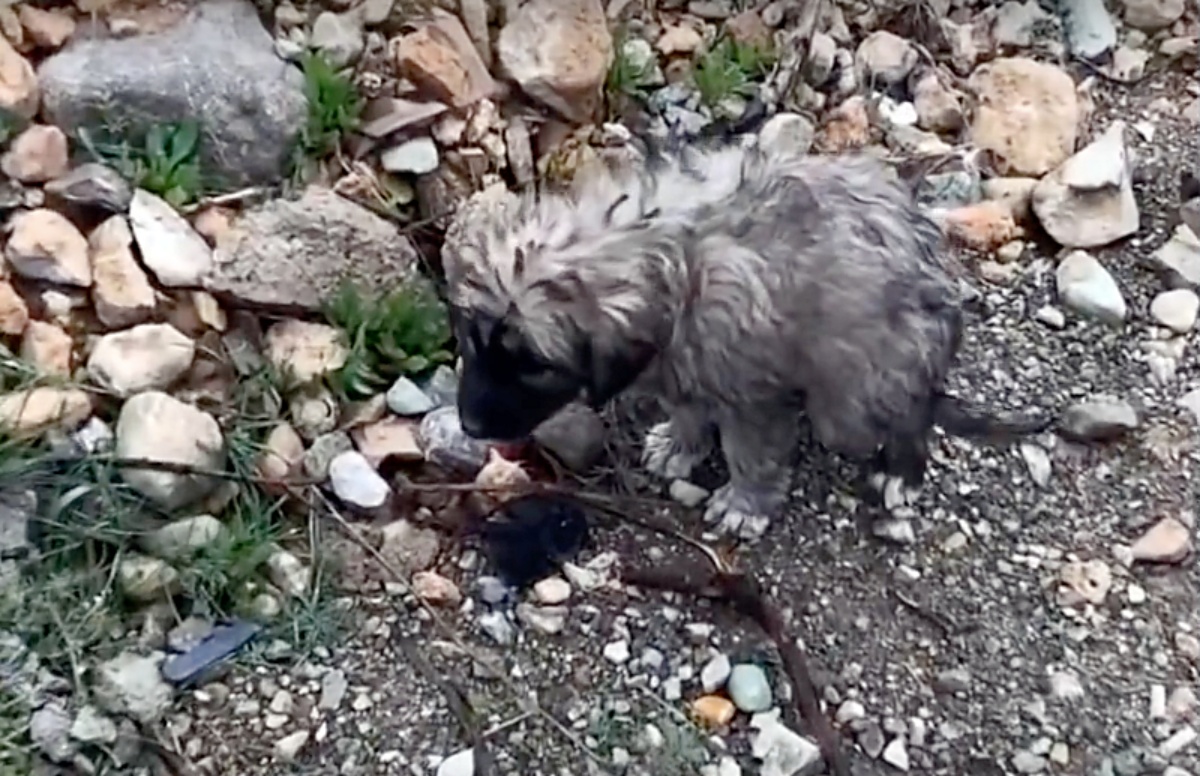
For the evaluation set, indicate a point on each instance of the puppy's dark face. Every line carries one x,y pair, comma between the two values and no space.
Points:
507,388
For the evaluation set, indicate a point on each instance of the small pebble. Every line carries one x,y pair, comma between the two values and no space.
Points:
552,591
715,673
749,688
895,754
616,652
850,711
405,398
1028,762
460,763
713,711
288,747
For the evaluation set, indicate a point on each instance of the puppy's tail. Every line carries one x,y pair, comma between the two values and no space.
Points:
958,418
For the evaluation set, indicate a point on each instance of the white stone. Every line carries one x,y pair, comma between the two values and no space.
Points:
1088,201
688,494
132,685
146,357
1085,286
787,133
783,752
145,579
461,763
44,245
288,573
288,747
303,351
417,156
158,427
170,247
617,652
1180,256
1152,14
715,673
1037,460
356,482
895,754
121,291
182,537
1176,309
93,727
552,591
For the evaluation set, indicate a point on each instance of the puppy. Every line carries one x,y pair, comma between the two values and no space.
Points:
742,287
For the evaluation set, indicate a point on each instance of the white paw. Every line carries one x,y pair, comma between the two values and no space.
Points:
734,513
662,455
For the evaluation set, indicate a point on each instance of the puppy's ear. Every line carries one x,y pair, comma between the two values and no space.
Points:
611,369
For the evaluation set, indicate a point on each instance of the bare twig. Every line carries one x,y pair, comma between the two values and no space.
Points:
460,707
744,594
227,198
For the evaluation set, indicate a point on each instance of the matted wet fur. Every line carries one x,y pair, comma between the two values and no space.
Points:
739,286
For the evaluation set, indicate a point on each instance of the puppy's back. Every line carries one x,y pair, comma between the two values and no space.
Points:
829,268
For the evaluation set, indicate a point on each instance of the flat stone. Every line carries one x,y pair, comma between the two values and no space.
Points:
1099,419
1167,541
417,156
170,248
295,253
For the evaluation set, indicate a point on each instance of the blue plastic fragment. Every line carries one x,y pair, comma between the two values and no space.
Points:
224,641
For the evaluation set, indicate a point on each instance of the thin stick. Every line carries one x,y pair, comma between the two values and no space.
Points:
745,595
222,199
459,706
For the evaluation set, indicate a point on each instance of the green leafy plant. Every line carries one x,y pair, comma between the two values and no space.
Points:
627,77
402,332
334,108
729,69
165,160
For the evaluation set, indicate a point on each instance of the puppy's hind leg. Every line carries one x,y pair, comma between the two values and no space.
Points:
677,445
758,446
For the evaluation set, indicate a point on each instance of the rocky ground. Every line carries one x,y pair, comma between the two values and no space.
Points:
282,585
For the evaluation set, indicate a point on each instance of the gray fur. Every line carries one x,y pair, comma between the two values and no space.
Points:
744,287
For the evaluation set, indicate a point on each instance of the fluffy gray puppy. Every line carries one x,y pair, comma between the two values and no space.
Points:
740,286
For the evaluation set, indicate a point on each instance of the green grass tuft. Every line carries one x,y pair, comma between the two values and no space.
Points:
334,111
627,79
405,332
164,160
730,69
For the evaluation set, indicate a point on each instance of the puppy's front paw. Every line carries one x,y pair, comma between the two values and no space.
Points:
664,456
736,512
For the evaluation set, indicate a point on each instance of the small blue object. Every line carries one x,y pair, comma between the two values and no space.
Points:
224,641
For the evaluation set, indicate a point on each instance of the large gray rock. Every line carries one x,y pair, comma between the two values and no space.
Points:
295,252
217,66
